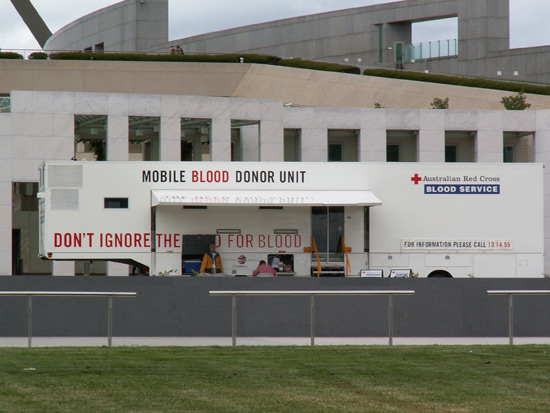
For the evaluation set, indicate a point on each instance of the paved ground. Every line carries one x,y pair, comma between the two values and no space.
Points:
259,341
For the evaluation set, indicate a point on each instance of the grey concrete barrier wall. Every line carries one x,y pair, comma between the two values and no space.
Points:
182,307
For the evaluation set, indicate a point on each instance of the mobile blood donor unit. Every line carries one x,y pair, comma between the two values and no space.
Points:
303,219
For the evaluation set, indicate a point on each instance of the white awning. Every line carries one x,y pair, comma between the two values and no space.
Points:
273,198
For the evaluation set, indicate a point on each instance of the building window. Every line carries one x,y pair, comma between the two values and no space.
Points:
5,103
460,146
90,137
508,154
195,139
401,146
144,138
292,145
26,212
450,153
392,153
380,43
115,203
335,152
343,145
518,147
245,140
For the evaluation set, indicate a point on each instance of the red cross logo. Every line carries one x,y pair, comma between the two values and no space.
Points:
416,179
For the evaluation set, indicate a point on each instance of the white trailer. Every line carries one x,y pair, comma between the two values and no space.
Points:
303,218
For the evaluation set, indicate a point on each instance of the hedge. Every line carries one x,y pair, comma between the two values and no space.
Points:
460,81
221,58
139,57
10,55
313,65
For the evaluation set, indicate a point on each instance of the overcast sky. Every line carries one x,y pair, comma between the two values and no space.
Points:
528,22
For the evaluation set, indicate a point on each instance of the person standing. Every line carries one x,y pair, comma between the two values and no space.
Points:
211,261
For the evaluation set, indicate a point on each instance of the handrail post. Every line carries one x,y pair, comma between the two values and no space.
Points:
110,323
234,320
390,320
511,319
29,321
312,319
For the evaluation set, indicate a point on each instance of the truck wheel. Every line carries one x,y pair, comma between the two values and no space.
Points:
440,274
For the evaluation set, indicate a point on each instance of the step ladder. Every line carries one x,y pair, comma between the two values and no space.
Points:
329,269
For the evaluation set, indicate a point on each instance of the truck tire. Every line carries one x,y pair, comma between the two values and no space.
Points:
440,274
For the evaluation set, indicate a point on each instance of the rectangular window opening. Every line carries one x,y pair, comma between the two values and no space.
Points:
116,203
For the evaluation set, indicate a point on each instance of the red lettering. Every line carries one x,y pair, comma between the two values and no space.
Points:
147,240
249,239
261,241
167,240
209,176
278,240
138,240
229,240
288,241
177,240
90,237
118,240
297,240
240,241
218,240
128,240
108,240
57,240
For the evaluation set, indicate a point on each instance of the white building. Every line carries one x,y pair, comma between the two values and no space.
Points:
65,113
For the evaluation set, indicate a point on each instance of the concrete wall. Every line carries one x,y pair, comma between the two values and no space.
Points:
362,36
41,127
131,25
182,307
297,86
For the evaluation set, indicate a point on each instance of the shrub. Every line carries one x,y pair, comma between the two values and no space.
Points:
460,81
10,55
438,103
38,56
517,102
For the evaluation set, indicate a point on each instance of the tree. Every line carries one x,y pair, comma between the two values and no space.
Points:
440,103
517,102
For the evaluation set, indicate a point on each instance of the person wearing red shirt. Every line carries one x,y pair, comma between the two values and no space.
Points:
263,268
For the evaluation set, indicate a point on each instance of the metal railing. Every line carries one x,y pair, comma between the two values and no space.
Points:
510,294
30,294
312,294
431,50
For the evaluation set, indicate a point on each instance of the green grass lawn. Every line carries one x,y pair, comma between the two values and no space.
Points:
279,379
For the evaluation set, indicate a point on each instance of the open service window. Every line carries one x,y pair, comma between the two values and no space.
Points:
282,263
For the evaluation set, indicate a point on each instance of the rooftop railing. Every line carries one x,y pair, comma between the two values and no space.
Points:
431,50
